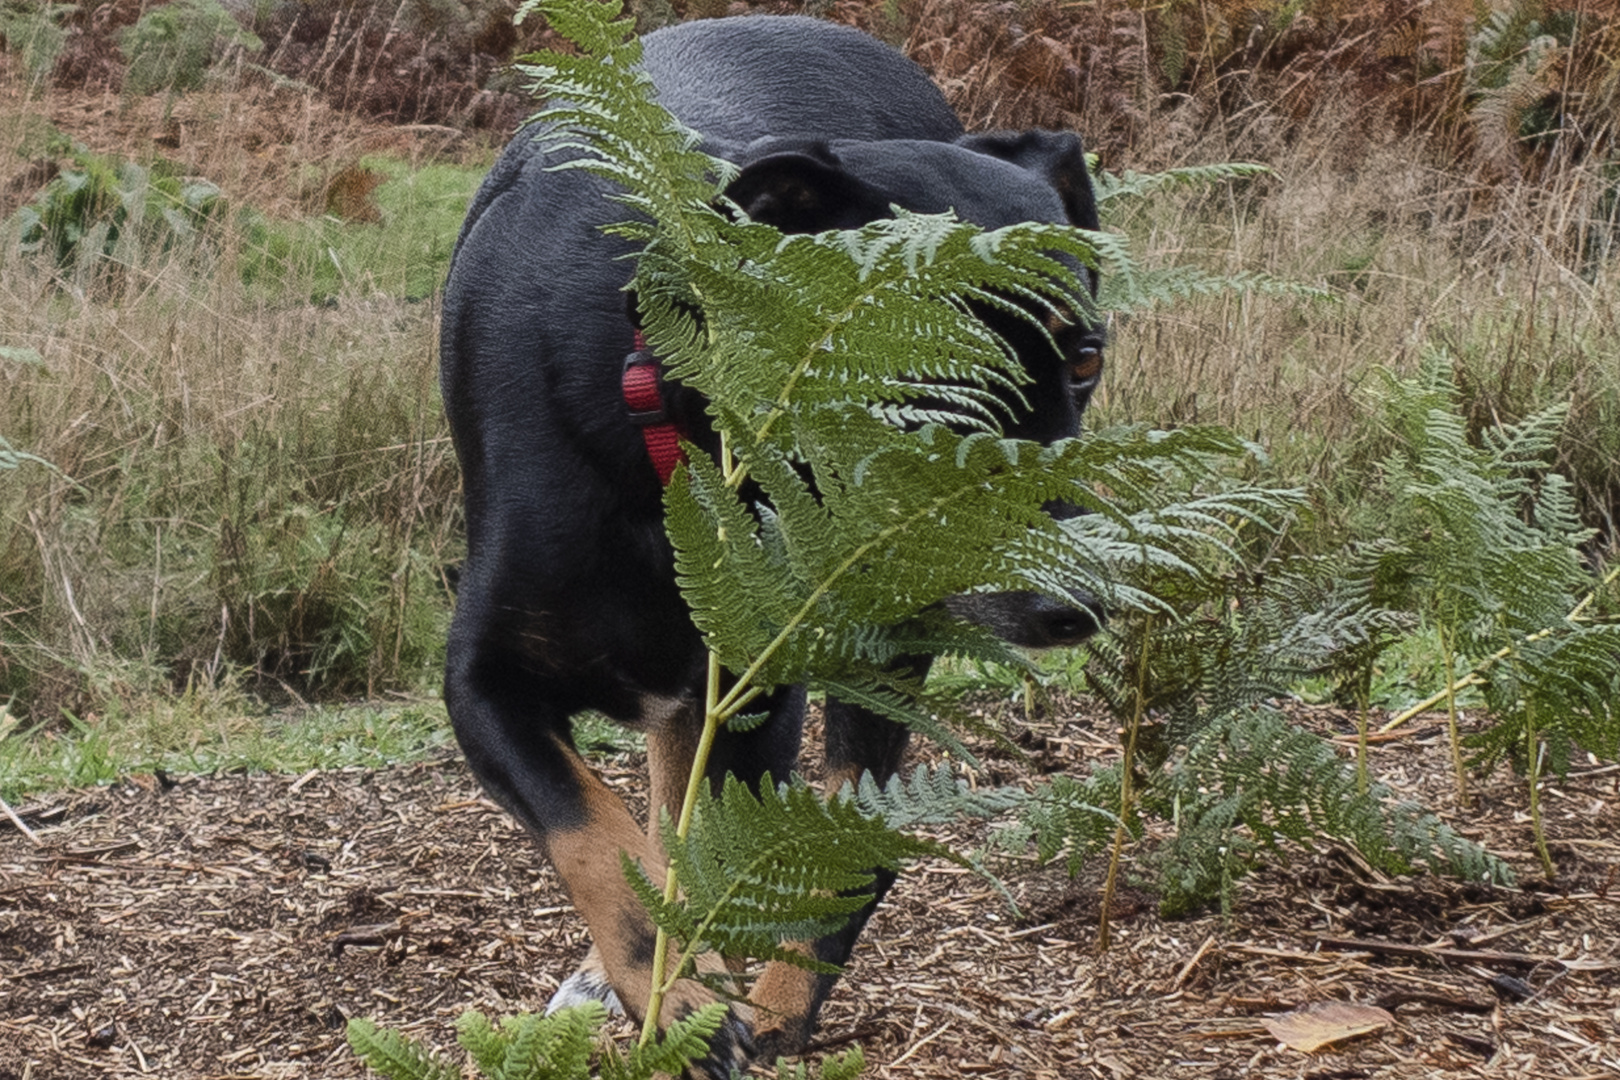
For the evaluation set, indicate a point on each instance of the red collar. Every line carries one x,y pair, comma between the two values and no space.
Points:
646,404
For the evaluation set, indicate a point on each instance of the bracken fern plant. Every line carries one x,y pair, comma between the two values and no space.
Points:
1491,541
173,46
1194,681
565,1045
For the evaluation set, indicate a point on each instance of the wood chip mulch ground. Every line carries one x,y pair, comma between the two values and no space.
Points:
227,926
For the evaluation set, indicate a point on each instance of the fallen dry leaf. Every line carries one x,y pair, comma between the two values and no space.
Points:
1311,1028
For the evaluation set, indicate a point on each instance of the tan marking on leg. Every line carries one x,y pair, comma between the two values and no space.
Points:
783,997
587,859
671,748
838,776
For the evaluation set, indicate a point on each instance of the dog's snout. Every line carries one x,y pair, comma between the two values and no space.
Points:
1070,625
1030,619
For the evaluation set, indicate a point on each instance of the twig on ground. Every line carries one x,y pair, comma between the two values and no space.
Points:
22,826
1487,957
1187,968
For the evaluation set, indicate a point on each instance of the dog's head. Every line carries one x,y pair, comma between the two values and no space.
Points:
991,180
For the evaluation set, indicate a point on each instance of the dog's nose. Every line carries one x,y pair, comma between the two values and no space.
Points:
1066,625
1030,619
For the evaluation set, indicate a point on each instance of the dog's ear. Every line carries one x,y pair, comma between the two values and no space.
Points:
1057,156
805,190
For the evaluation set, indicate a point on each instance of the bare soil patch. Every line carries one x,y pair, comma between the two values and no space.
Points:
227,926
275,149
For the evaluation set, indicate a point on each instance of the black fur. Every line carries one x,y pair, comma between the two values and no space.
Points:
567,600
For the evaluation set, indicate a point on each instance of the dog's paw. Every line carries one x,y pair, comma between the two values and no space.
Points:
730,1049
589,983
782,1039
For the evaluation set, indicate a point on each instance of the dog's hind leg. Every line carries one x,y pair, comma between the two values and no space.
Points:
769,748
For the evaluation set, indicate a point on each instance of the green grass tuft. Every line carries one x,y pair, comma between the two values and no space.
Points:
205,733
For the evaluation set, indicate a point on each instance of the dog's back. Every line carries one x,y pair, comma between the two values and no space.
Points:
535,330
726,79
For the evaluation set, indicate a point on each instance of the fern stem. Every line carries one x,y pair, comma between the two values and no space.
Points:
662,980
1473,678
1448,650
1476,676
1127,793
1586,601
733,470
1533,748
1363,708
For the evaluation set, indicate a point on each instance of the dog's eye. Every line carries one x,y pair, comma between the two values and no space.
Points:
1087,366
1059,318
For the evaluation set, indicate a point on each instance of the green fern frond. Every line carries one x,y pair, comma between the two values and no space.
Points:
483,1043
846,1066
670,1053
780,867
932,797
904,279
899,521
1321,612
1251,779
719,556
1569,682
1499,536
595,28
1070,817
1129,184
558,1046
920,712
1144,288
394,1055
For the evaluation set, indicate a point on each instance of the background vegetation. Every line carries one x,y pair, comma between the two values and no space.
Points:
222,240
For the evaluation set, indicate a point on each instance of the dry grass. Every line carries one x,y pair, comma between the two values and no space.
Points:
268,484
259,481
1416,269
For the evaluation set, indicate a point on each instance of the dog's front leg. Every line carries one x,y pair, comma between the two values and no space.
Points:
787,998
534,771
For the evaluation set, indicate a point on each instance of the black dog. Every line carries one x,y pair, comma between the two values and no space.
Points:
567,600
